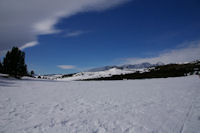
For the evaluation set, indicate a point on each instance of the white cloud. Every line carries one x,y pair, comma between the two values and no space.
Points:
75,33
29,44
66,66
46,27
190,52
22,21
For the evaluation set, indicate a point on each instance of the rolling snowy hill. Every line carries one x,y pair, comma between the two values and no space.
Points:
98,74
109,71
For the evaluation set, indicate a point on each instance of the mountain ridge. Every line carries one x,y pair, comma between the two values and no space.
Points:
127,66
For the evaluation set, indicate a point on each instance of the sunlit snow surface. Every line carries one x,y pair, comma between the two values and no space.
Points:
169,105
99,74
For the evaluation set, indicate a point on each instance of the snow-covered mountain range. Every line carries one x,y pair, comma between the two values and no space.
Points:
127,67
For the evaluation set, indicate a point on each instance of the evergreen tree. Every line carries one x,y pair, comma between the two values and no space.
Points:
1,67
14,63
32,73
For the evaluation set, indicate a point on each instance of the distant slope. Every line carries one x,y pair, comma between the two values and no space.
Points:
164,71
98,74
109,71
137,71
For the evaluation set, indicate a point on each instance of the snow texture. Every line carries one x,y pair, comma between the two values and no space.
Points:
170,105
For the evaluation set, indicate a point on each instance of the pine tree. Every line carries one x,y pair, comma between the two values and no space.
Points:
1,67
14,63
32,73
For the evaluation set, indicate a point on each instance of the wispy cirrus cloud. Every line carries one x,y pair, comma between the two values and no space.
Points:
66,66
29,44
22,21
76,33
189,51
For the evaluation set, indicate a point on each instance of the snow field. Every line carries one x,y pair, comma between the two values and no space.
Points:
169,105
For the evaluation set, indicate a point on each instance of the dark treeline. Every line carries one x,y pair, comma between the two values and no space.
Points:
68,75
165,71
14,64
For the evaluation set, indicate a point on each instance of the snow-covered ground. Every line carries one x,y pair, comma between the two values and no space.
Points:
169,105
98,74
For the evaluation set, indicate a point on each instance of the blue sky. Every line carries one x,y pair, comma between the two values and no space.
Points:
127,33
